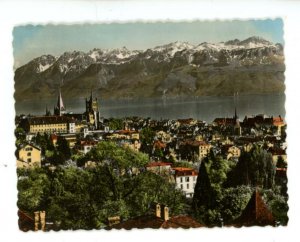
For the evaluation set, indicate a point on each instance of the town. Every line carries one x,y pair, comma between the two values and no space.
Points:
174,173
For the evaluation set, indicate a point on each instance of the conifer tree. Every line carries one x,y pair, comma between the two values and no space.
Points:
203,193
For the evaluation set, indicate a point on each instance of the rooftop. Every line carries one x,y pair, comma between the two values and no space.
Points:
151,221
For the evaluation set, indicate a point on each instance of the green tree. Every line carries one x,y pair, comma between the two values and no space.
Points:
254,168
147,135
208,192
63,148
33,190
158,153
20,136
155,188
234,201
204,198
115,124
71,205
278,205
183,164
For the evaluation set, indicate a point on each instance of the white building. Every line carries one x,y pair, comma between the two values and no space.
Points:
71,128
185,179
86,146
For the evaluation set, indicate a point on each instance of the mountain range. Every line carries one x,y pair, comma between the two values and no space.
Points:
178,69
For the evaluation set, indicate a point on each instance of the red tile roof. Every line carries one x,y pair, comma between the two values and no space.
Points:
26,222
184,171
150,221
159,144
278,121
255,213
225,121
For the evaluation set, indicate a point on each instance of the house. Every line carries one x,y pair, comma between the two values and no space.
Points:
224,122
49,124
164,136
29,156
231,151
159,218
86,145
185,179
132,144
70,138
159,167
276,153
199,148
188,122
263,120
124,134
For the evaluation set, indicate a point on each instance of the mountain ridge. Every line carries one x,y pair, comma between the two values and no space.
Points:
172,70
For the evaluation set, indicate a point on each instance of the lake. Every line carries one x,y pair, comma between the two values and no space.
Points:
202,108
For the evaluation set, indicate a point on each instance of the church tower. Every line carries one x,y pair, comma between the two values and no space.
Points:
92,111
59,109
237,129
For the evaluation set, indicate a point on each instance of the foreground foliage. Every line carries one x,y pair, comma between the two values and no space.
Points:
76,198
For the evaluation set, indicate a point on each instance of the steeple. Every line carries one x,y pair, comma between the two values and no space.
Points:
235,114
60,108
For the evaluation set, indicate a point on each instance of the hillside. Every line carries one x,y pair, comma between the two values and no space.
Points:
177,69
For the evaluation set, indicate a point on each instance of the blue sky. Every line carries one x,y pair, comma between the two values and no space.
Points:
32,41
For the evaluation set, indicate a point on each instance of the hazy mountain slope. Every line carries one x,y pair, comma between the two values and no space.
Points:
177,69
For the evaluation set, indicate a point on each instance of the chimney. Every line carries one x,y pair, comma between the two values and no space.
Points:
43,220
39,220
165,213
157,210
113,220
36,220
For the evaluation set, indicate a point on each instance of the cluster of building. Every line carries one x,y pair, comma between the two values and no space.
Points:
173,141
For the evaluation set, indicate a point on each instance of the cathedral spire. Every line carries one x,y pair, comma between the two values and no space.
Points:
60,108
235,115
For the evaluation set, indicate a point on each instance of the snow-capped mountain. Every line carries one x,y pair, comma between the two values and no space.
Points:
107,68
112,56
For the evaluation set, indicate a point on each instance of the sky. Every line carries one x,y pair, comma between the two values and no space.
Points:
31,41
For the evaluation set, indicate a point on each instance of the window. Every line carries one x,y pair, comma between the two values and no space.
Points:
181,179
181,186
29,154
187,179
187,186
29,160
